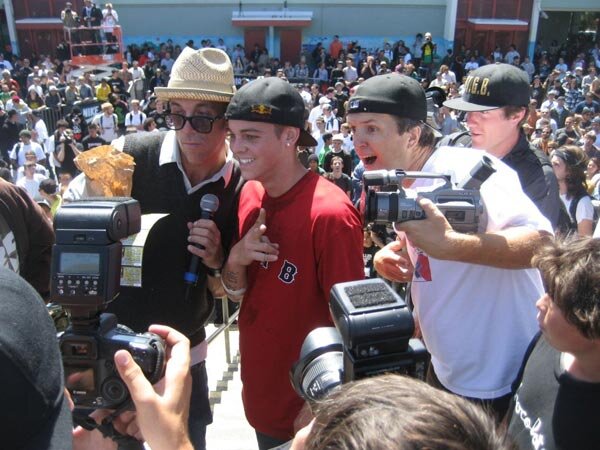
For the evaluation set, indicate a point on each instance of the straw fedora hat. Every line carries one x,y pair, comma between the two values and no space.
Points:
205,74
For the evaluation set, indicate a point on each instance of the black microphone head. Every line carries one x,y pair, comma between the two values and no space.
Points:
209,203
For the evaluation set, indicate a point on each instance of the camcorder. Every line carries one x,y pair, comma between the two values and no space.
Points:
66,137
372,336
85,277
461,204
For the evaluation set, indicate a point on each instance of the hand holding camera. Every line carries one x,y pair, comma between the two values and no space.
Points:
161,410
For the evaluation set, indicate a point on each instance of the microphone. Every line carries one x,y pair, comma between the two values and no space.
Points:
209,203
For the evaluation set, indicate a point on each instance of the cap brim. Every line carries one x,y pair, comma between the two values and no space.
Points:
436,133
306,140
460,105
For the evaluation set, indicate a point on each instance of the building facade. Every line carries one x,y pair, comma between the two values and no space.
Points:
284,28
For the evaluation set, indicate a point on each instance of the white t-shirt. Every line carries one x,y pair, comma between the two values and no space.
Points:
108,126
348,144
32,186
19,149
133,119
585,209
477,321
39,169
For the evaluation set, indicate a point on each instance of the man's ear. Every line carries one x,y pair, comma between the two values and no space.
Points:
291,135
519,116
414,134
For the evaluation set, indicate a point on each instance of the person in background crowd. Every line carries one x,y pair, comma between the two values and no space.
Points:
31,157
545,142
17,155
91,17
313,164
135,117
103,90
589,145
569,163
9,134
40,128
339,178
117,85
110,19
65,152
53,99
107,122
48,190
77,122
150,125
31,180
337,141
93,139
137,81
592,175
120,109
86,91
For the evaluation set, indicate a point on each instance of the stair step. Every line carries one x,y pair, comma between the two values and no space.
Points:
230,429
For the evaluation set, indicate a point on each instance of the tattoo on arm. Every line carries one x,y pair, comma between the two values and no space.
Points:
232,279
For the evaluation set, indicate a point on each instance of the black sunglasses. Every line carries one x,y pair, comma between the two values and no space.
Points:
202,124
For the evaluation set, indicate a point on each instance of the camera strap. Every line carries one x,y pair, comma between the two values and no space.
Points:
107,428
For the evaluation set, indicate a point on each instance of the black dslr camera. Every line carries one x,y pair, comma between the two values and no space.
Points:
372,337
86,271
461,205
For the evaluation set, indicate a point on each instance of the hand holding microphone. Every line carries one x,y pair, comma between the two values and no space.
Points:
205,240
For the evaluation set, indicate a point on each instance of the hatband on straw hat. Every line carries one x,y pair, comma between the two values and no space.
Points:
205,74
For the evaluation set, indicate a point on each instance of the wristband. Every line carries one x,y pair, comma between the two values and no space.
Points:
231,293
215,273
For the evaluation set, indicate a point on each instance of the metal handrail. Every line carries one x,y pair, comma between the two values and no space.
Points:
224,327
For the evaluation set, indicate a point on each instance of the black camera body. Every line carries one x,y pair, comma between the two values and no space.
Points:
461,205
372,337
376,328
85,275
88,359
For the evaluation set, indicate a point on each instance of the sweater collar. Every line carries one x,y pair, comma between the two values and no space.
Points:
169,153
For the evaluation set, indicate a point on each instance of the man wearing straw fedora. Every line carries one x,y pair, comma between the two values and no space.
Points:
174,170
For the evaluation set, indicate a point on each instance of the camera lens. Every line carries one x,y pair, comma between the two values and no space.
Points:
114,391
319,368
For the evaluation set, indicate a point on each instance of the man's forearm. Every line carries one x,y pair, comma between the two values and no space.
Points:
234,280
507,249
215,286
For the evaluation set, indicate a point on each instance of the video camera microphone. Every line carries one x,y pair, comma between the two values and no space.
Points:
209,203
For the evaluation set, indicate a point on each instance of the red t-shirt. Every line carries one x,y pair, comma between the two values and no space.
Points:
335,48
320,244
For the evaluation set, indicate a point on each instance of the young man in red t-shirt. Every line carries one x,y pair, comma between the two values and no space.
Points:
299,236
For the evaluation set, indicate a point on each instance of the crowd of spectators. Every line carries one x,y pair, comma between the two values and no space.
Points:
38,154
564,108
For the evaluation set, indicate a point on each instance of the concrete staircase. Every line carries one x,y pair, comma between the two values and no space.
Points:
229,430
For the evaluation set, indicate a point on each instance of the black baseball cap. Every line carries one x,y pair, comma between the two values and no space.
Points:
395,94
270,100
34,412
398,95
491,87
